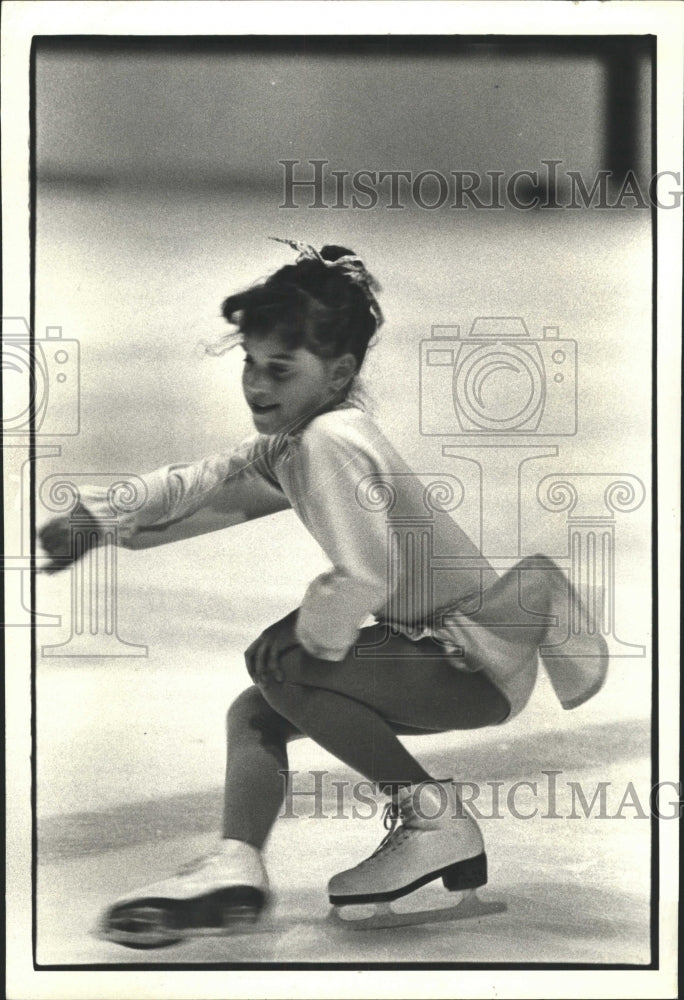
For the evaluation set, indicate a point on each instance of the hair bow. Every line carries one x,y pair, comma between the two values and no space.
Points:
350,265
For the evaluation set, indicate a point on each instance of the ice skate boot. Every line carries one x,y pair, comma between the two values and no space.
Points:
213,895
430,836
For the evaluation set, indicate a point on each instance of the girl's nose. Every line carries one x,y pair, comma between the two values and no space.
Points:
254,379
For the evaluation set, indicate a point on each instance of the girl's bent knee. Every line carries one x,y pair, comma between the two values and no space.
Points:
252,717
282,694
247,703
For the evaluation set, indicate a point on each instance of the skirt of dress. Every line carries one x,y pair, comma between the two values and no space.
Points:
530,613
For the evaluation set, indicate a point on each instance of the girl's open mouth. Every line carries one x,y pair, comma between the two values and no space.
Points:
259,408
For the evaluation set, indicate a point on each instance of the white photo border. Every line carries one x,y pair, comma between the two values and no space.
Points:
20,22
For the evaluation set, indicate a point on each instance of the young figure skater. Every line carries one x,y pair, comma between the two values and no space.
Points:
449,661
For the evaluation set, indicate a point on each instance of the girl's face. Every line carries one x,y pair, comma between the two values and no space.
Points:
286,387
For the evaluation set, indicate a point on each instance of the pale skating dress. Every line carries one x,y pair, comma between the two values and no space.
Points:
368,511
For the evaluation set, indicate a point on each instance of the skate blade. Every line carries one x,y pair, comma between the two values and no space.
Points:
142,927
372,916
148,927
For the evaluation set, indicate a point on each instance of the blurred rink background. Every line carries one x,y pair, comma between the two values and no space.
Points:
158,187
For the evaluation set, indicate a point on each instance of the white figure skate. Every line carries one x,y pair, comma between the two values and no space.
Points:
214,895
436,839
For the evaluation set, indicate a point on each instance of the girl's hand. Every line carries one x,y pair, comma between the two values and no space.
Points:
263,656
56,539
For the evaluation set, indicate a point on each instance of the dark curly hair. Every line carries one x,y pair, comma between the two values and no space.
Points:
307,304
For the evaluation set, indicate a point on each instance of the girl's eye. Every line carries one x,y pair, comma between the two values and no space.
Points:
276,372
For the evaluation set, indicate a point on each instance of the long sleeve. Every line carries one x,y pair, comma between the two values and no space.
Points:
220,490
332,465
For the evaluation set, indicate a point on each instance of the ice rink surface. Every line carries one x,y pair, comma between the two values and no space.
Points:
575,888
129,754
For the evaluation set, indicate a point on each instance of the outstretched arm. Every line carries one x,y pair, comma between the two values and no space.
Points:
178,501
244,495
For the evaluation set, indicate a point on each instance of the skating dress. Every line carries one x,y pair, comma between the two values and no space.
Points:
380,526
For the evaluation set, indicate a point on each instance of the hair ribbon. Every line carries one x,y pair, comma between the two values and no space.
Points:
351,266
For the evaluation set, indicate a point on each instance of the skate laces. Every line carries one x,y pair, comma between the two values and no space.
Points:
394,835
